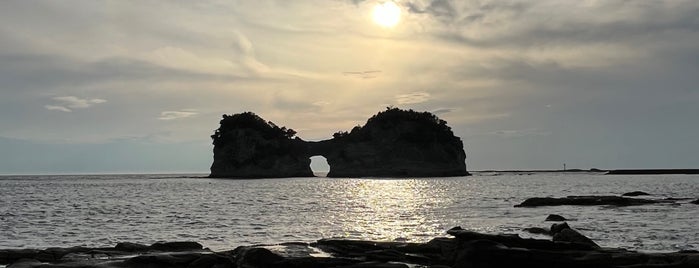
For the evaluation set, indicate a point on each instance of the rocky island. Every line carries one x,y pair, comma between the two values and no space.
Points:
392,143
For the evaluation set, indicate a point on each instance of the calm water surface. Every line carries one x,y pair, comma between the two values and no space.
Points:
45,211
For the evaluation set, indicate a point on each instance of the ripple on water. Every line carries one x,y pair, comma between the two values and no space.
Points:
49,211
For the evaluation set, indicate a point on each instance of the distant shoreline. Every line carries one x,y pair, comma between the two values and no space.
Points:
607,172
540,171
653,171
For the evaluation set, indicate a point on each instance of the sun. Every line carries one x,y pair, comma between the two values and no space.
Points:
386,14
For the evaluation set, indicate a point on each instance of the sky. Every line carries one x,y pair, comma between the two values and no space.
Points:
139,86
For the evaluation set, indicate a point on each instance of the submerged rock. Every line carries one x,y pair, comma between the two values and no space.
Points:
588,200
392,143
554,217
635,193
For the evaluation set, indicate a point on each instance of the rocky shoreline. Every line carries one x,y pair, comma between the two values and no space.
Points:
567,248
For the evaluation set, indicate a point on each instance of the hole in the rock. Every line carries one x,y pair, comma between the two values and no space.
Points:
319,166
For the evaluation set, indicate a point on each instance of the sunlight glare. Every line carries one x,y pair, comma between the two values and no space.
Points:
386,14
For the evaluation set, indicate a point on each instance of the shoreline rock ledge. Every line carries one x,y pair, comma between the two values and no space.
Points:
392,143
466,249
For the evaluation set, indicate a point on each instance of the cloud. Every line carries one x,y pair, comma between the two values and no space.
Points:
442,110
533,24
57,108
171,115
78,103
363,74
412,98
321,103
68,103
520,133
443,10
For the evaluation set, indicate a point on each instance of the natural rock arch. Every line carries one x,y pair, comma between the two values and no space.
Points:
393,143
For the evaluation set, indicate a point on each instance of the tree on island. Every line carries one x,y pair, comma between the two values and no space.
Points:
249,120
427,126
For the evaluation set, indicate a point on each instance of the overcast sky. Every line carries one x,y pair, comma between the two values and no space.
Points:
138,86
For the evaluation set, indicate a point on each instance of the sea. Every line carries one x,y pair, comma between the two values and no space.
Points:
102,210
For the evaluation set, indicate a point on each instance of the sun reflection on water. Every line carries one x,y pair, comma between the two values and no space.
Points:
389,209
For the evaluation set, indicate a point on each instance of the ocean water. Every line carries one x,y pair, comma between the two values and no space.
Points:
62,211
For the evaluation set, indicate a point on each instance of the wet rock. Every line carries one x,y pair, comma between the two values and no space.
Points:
162,260
376,265
212,261
25,263
513,240
419,253
677,198
257,257
562,232
557,227
316,262
591,200
537,230
467,250
12,255
130,247
554,217
176,246
573,236
635,193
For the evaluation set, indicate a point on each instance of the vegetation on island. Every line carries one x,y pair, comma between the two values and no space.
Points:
424,127
250,120
394,142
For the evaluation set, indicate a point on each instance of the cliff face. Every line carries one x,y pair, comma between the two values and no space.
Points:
393,143
398,143
245,146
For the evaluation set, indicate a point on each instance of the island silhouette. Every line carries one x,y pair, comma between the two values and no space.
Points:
392,143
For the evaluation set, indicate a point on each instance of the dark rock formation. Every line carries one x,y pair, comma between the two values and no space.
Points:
466,249
563,232
399,143
635,193
588,200
557,227
695,202
122,251
554,217
394,142
246,146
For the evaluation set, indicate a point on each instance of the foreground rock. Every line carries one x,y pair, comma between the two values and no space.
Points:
392,143
588,200
466,249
